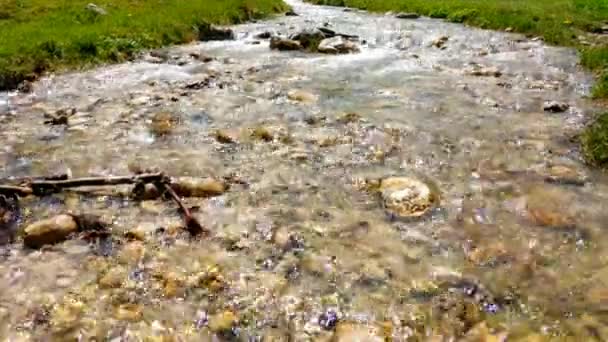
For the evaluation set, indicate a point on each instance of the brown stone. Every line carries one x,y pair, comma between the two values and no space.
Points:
198,187
49,231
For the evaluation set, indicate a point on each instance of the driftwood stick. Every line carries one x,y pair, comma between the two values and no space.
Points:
21,191
192,225
45,186
27,180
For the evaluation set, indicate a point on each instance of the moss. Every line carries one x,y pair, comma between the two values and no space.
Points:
595,141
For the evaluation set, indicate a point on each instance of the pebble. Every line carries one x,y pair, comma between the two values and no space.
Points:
131,253
301,96
225,137
440,42
549,207
222,322
129,312
49,231
113,279
163,123
407,197
283,44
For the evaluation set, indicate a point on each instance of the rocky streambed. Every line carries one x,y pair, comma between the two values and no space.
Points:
408,179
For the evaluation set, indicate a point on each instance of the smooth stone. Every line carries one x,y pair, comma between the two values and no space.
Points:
337,45
129,312
283,44
163,123
407,197
49,231
198,187
113,279
222,322
301,96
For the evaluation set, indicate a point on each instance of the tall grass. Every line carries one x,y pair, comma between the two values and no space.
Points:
39,35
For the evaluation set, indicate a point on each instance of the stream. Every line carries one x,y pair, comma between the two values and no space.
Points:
304,248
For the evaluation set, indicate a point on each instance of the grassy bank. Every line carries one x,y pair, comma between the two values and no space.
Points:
42,35
559,22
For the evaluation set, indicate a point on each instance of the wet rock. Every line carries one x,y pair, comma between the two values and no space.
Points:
291,13
198,187
113,279
207,32
549,207
440,42
407,197
488,254
262,133
555,106
481,332
301,96
173,284
61,117
482,71
337,45
349,332
129,312
49,231
407,16
564,174
163,123
211,279
25,87
347,118
263,35
283,44
91,7
131,253
225,137
309,39
222,322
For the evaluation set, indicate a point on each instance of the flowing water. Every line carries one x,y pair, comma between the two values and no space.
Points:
515,246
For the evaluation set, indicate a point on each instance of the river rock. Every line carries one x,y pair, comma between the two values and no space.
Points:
49,231
198,187
283,44
407,16
129,312
550,207
565,174
291,13
407,197
163,123
225,137
301,96
114,278
222,322
440,42
555,106
337,45
207,32
355,332
309,39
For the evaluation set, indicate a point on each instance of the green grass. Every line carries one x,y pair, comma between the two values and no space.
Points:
559,22
594,141
43,35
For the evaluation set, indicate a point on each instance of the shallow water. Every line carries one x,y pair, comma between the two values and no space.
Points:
301,240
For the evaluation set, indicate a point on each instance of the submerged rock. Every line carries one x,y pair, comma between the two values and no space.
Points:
350,332
222,322
163,123
564,174
49,231
407,16
283,44
549,207
301,96
198,187
555,106
337,45
407,197
440,42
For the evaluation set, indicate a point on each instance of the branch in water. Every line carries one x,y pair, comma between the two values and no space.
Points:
46,186
192,225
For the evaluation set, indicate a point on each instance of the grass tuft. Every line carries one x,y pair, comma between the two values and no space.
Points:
595,141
